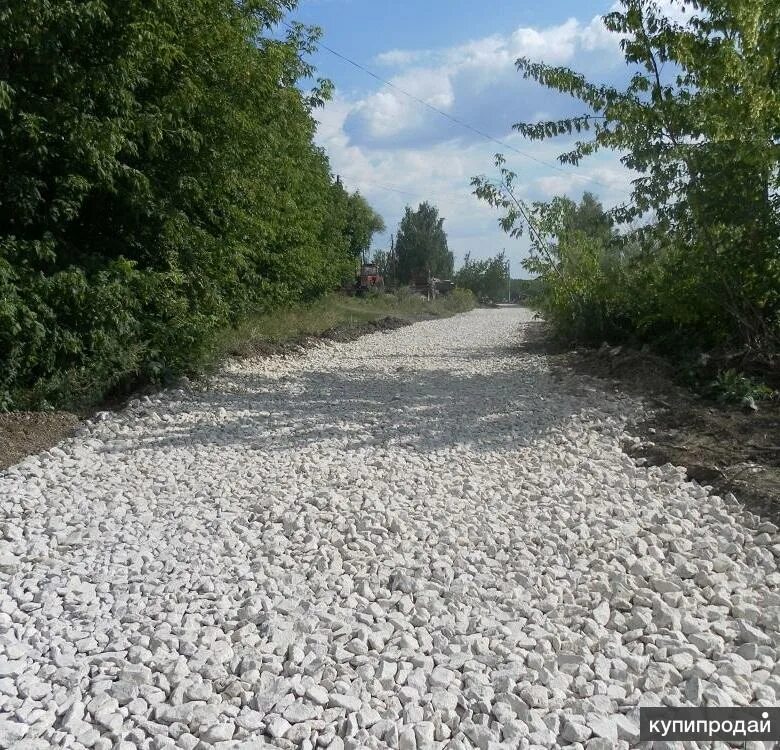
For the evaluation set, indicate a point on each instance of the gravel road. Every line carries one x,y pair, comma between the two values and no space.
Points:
420,539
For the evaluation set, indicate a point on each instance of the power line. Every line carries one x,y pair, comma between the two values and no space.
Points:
449,117
401,192
390,189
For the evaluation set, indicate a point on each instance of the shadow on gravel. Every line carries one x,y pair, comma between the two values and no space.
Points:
426,410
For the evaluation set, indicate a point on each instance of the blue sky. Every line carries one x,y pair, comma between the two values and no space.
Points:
457,55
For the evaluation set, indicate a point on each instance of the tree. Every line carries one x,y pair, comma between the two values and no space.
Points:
700,122
158,182
362,224
487,278
575,254
718,103
421,245
353,218
527,291
589,216
384,264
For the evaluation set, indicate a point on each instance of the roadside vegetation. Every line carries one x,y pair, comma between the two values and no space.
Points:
418,249
690,263
159,183
487,278
336,315
282,330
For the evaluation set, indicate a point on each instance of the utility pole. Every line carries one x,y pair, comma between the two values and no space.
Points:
393,262
508,278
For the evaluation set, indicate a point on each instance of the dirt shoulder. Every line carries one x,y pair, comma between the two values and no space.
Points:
723,446
25,433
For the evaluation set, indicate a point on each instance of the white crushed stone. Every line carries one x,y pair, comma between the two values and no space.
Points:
420,539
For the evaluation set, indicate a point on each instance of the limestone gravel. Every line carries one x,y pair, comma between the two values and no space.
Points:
419,539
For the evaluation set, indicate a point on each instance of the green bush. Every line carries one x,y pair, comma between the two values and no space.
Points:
488,279
585,271
158,182
458,300
731,386
66,335
698,123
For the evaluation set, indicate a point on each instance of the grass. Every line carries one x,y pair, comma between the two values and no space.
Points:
337,311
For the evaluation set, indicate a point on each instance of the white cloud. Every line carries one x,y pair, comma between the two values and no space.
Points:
606,178
392,178
398,152
490,52
388,112
556,44
595,36
476,80
399,58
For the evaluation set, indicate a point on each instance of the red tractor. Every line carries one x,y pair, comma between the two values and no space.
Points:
369,279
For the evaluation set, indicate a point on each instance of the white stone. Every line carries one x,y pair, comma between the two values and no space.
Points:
11,732
575,732
219,732
299,711
348,702
601,613
277,727
627,728
318,695
603,726
535,696
417,539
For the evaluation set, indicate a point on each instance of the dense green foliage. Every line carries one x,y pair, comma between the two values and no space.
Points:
158,181
488,279
362,224
580,263
527,291
700,122
421,246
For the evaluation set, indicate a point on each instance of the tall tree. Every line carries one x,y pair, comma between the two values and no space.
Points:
487,278
421,245
384,263
362,224
588,216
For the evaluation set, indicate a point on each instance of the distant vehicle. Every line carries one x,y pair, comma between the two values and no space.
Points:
369,279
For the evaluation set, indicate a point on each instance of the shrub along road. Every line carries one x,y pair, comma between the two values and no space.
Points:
417,539
283,330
